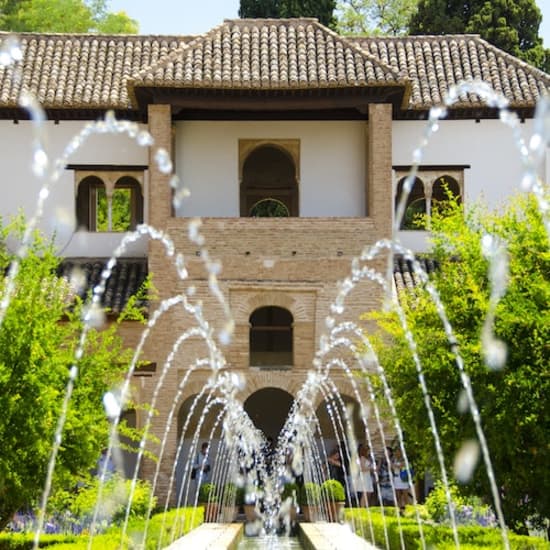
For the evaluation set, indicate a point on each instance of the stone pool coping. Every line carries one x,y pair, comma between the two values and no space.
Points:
211,536
313,536
330,536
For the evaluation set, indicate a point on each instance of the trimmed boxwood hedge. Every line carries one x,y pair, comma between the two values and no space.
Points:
187,519
436,536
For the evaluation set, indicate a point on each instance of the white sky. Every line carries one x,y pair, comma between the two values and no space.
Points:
199,16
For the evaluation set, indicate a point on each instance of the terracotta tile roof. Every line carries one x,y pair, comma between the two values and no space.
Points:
269,54
434,63
403,272
80,71
126,279
71,71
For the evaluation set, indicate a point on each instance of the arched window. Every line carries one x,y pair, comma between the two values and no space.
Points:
444,187
101,211
271,338
269,187
427,194
416,205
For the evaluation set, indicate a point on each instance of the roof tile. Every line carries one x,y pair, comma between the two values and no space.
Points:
100,71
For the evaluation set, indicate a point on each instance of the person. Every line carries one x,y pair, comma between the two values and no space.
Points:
362,479
336,466
201,465
384,473
105,466
400,482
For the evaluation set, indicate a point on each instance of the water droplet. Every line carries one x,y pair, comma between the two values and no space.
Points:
466,461
164,163
495,354
111,405
145,139
94,316
39,163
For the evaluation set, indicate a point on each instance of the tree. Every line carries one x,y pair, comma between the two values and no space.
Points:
321,9
38,339
514,401
75,16
371,17
511,25
259,8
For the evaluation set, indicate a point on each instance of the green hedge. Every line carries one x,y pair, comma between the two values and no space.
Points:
436,536
24,541
177,523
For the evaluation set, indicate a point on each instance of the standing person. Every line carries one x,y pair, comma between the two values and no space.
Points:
362,481
400,480
201,467
385,473
336,466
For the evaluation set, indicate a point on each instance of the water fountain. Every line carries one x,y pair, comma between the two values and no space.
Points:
240,447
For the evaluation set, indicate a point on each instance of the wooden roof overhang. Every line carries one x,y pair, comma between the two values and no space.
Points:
331,103
73,113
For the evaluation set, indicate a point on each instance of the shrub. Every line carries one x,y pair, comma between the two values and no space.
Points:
114,500
467,510
309,493
207,493
333,490
436,536
174,524
239,496
290,490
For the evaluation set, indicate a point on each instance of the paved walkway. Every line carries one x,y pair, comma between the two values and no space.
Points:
210,536
331,536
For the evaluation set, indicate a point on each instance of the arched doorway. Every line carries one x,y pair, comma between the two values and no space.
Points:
198,417
268,409
269,186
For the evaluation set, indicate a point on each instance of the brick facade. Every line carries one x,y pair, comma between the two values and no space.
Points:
293,263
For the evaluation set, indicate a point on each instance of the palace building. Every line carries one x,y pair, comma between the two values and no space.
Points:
293,143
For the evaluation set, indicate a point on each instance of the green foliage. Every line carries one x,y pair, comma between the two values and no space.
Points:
259,8
511,25
309,493
321,9
373,17
436,502
435,536
207,493
290,490
162,529
25,541
513,401
38,340
75,16
114,499
333,490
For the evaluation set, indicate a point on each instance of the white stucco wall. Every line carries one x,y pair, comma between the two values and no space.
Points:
21,187
332,165
332,168
487,146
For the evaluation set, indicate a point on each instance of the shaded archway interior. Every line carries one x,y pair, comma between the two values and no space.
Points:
269,174
268,409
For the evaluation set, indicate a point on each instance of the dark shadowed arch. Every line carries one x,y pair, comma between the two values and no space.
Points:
268,409
269,180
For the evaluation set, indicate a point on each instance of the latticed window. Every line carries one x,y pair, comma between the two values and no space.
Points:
271,337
